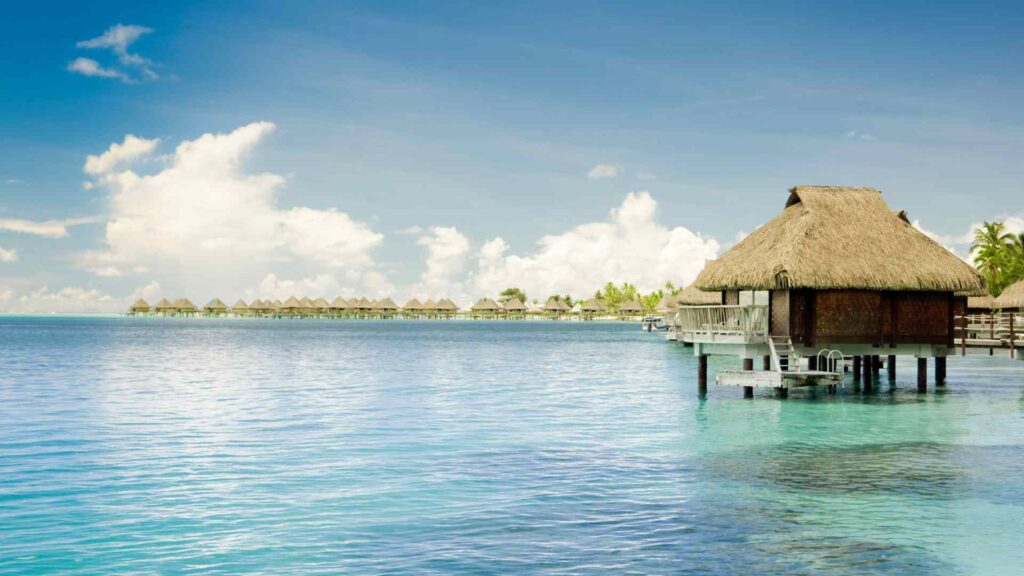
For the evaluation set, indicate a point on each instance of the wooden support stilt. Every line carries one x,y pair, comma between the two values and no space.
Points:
856,368
812,362
868,369
1013,346
940,370
922,374
702,375
890,366
876,365
782,392
748,364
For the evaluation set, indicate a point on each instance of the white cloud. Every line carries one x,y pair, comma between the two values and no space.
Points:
447,254
630,247
126,152
70,299
48,228
410,231
599,171
90,67
117,39
855,135
8,255
943,240
203,225
150,292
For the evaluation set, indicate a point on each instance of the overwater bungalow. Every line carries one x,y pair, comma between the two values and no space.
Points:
553,308
631,310
592,308
240,308
485,308
513,308
429,308
321,307
666,305
338,307
291,307
140,306
412,308
446,308
184,307
693,296
164,308
215,308
387,308
836,270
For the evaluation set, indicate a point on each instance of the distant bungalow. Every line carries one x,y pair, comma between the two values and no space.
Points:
485,308
631,309
514,308
185,307
140,306
1012,298
837,269
591,308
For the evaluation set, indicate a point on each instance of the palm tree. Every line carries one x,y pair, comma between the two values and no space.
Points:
990,253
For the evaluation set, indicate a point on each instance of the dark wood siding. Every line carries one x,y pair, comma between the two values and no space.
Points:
869,317
778,307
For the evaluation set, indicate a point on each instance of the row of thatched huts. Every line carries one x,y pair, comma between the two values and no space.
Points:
384,308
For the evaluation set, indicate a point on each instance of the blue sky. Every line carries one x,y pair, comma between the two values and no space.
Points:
416,134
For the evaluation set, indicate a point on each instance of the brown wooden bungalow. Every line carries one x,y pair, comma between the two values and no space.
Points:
837,269
514,308
140,306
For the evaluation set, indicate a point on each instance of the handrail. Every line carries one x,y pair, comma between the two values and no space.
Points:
748,320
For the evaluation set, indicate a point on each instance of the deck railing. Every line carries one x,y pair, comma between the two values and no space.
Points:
747,321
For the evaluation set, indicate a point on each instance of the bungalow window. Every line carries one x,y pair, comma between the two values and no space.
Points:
748,297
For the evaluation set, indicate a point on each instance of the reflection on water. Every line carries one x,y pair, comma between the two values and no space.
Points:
228,446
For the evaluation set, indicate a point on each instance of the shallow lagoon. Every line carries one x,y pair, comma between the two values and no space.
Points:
306,447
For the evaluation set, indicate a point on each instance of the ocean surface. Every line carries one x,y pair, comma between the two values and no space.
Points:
172,446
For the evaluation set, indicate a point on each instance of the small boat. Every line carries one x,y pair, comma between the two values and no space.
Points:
652,323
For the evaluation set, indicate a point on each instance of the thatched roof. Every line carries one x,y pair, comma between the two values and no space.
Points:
139,304
446,304
240,305
552,305
631,306
412,304
830,237
306,302
292,303
184,304
257,304
485,305
321,304
981,302
666,303
514,304
163,304
1012,296
339,303
387,304
693,296
564,306
592,305
429,305
215,304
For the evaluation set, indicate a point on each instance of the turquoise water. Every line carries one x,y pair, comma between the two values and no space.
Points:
150,446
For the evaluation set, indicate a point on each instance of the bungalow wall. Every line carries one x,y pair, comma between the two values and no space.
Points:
812,317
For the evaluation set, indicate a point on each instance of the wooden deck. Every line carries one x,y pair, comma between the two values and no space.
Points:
774,379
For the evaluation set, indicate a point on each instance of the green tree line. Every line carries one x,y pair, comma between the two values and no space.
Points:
611,296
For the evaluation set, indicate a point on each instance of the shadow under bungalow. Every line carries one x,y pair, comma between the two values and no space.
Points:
837,271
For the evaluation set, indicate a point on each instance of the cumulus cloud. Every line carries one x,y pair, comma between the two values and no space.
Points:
203,223
630,246
150,292
47,228
118,38
599,171
70,299
8,255
447,255
124,153
90,67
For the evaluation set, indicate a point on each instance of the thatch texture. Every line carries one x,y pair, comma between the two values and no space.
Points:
163,304
321,304
446,305
592,305
239,306
386,304
139,305
693,296
830,237
339,303
631,307
666,303
552,306
485,305
292,303
412,304
184,305
980,303
215,305
1012,297
513,304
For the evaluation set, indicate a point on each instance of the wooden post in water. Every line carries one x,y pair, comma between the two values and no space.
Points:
890,366
876,365
782,392
868,371
702,375
963,335
856,368
940,370
748,364
922,374
1013,346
